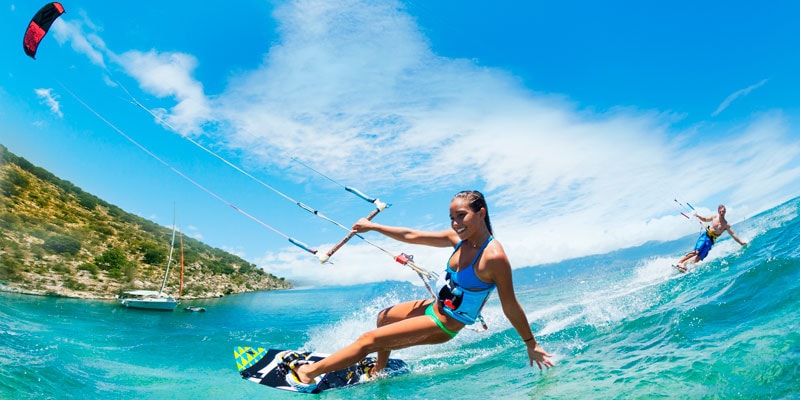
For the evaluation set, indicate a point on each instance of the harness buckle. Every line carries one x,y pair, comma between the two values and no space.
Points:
404,258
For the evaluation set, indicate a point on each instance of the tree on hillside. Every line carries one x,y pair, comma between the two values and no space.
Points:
15,182
62,245
153,254
113,258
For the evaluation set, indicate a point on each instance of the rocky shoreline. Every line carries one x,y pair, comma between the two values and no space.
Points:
67,293
83,295
83,285
38,292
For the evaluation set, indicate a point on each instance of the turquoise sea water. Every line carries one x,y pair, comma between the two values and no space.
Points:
620,325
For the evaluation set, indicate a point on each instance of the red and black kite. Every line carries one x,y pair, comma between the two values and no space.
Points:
39,26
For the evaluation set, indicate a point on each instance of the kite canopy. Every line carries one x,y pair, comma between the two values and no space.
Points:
40,24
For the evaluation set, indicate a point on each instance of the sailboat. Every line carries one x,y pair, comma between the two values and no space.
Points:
151,299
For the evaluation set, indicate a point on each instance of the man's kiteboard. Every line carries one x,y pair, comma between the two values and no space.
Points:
272,368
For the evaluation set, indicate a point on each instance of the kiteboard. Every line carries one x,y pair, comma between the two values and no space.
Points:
260,365
680,268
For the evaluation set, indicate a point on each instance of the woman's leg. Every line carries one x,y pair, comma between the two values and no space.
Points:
412,331
394,314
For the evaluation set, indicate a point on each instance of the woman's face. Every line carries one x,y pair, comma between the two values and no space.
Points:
463,220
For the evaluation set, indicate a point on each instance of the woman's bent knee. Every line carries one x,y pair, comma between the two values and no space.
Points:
366,342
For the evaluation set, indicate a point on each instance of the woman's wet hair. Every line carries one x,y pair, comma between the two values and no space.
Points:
476,201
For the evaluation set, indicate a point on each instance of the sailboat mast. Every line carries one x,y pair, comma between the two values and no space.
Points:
169,261
180,287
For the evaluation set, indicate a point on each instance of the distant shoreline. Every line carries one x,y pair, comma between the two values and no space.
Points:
72,294
4,287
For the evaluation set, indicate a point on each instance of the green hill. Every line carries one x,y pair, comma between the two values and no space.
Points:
56,239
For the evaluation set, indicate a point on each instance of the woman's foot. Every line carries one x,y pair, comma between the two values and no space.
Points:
301,375
295,377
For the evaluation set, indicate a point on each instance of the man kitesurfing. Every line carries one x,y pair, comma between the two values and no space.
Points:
718,225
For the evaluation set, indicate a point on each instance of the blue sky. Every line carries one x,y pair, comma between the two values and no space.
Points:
580,121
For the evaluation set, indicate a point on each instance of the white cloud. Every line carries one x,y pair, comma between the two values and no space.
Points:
169,74
50,99
739,93
370,95
193,232
163,74
90,45
355,86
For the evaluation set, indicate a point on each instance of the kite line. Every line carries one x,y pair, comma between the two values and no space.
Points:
324,257
690,209
35,32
